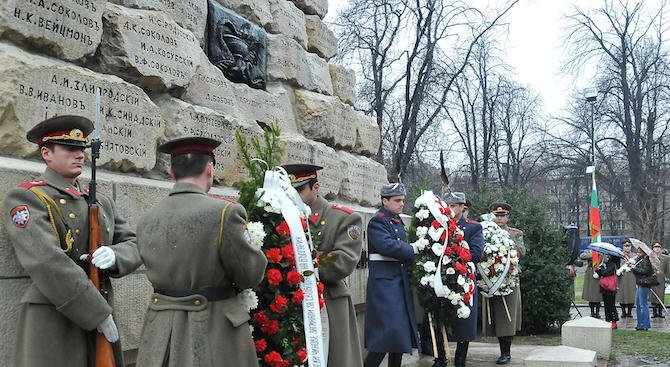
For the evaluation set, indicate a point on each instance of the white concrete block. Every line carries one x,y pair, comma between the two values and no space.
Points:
561,356
588,332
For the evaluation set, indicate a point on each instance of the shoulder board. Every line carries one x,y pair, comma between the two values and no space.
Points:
470,221
379,214
223,198
342,208
512,229
28,185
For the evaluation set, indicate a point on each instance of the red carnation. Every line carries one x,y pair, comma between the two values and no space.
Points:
283,229
274,255
466,297
452,225
304,223
461,268
272,358
320,287
448,251
287,252
459,237
279,304
302,354
472,276
298,297
260,345
293,277
260,318
274,276
465,255
270,327
435,224
322,302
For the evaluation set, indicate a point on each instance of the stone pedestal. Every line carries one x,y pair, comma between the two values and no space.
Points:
590,333
561,356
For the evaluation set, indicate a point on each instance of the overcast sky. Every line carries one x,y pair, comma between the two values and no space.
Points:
534,47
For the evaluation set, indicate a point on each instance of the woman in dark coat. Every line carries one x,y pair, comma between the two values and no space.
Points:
608,267
645,279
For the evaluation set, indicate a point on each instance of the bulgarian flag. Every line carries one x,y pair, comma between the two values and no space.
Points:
594,220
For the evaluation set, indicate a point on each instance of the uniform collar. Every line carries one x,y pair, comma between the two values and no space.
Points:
54,179
317,209
462,220
387,213
185,187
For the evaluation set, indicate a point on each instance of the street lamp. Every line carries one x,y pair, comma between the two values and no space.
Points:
591,94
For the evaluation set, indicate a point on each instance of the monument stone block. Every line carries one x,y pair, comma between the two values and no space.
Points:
326,119
147,48
211,89
363,179
191,14
344,83
313,7
561,356
301,150
288,20
289,62
257,11
368,136
588,332
34,87
184,119
321,40
67,29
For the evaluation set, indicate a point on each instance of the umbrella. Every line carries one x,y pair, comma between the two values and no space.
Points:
606,248
655,261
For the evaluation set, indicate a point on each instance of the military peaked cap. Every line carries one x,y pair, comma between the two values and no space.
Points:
301,174
65,130
500,208
191,144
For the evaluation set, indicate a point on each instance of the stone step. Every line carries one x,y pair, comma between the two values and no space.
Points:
561,356
588,332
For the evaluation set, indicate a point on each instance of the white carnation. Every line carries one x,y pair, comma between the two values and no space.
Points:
422,214
451,271
421,231
429,267
421,244
461,280
248,299
425,280
257,233
438,249
463,312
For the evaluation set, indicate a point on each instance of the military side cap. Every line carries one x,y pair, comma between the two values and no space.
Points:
393,189
301,174
454,198
64,130
191,144
500,208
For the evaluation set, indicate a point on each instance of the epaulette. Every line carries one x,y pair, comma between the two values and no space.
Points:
342,208
471,221
380,214
314,217
30,184
219,197
512,229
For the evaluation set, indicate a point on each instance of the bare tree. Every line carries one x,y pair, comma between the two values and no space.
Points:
628,41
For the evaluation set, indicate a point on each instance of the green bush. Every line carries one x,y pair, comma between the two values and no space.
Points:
545,283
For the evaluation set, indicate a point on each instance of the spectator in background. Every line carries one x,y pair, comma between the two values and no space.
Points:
644,278
626,293
608,267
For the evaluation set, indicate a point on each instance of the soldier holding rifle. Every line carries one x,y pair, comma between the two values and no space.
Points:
47,221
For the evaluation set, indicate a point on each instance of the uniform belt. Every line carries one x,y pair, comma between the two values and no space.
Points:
378,257
212,294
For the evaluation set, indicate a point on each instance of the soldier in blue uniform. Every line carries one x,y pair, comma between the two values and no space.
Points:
390,323
462,330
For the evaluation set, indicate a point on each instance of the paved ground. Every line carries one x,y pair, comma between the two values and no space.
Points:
627,323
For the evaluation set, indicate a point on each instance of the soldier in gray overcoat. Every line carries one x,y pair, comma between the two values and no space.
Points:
591,291
338,238
661,276
625,295
197,252
500,325
47,221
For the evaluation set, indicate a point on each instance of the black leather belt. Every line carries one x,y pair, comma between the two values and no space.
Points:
212,294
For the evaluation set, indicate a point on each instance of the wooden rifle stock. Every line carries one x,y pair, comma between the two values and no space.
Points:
104,352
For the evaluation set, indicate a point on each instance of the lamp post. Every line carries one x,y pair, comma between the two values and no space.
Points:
591,94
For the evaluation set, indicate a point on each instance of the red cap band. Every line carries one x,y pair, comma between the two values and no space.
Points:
192,148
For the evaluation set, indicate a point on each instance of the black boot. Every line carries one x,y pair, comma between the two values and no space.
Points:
592,306
461,354
660,312
655,309
439,362
505,347
623,311
598,310
630,310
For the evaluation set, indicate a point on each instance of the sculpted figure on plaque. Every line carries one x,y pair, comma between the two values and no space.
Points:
236,46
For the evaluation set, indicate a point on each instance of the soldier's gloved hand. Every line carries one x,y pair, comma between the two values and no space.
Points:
104,258
109,330
596,276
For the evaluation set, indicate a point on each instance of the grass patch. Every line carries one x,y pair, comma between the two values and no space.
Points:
647,345
579,286
544,339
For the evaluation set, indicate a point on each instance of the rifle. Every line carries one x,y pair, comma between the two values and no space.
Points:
104,351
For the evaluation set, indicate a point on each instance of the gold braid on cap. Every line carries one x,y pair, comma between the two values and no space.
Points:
74,134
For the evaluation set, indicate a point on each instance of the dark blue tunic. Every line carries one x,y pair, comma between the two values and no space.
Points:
466,329
390,324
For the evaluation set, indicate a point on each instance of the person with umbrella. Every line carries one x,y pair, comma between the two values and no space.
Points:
606,273
641,266
659,290
625,295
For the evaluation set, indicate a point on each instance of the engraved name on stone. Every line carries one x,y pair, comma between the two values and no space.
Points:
288,20
190,14
257,11
69,29
35,88
288,61
161,54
